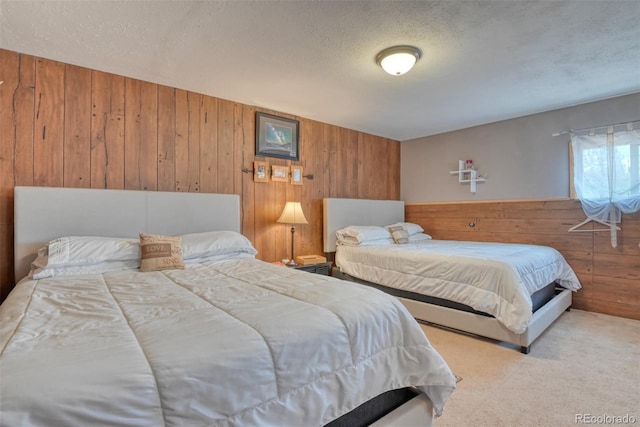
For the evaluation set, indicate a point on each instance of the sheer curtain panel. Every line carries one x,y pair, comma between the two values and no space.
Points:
607,172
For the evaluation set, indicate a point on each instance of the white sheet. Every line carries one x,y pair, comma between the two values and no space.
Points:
226,343
494,278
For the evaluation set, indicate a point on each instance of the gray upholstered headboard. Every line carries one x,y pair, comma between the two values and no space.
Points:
45,213
339,213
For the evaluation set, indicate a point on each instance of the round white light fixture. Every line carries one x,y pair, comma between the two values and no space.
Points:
398,60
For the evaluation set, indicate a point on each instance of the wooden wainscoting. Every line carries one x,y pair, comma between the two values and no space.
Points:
68,126
610,277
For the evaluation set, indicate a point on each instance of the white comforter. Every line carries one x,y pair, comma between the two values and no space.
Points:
494,278
227,343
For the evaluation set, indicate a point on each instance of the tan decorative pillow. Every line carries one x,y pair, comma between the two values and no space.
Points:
400,234
160,252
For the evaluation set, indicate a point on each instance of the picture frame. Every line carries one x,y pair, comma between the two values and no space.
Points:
277,137
260,171
296,175
279,173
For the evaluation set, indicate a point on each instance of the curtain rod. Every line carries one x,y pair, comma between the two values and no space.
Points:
595,127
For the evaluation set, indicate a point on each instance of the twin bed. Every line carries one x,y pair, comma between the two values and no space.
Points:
87,338
507,292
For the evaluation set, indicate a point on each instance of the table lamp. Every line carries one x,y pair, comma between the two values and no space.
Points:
292,214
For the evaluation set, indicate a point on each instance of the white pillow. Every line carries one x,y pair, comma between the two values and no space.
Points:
354,235
222,257
74,255
212,244
77,270
409,226
420,237
80,250
376,242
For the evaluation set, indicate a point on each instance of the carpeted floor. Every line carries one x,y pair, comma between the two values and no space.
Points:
586,367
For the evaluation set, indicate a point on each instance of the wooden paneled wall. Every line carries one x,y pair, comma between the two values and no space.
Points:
68,126
610,277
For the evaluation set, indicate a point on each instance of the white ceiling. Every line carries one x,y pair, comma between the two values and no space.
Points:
483,61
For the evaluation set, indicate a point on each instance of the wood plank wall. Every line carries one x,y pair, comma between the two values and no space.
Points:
610,277
68,126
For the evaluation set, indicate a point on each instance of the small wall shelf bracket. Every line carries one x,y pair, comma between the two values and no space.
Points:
467,175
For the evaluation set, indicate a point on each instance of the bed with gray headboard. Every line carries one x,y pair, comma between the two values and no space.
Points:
225,307
45,213
343,212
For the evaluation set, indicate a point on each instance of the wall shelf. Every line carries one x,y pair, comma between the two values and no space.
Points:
467,175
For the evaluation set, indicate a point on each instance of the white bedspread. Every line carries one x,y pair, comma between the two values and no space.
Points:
494,278
227,343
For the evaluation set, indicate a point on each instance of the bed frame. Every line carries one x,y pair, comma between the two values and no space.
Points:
340,213
45,213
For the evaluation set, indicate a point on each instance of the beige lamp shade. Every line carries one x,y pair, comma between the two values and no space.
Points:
292,214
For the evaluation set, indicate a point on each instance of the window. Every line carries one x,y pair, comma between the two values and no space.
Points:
592,166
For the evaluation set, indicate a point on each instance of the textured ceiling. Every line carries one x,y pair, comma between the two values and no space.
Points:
483,61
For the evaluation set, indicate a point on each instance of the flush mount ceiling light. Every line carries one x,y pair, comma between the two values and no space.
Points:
398,60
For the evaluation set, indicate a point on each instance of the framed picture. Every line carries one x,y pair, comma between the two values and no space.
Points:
276,137
279,173
261,171
296,175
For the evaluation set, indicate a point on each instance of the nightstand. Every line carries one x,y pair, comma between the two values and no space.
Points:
320,268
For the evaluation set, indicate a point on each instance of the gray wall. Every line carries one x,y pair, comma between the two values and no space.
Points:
519,157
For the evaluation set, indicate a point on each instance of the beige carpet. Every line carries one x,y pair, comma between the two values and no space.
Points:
585,365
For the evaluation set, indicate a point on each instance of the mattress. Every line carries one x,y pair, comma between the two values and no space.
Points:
236,342
494,278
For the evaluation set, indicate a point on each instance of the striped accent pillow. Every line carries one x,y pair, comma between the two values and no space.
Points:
400,234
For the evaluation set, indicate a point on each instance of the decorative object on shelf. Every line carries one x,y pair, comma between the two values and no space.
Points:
467,173
279,173
292,214
397,60
260,171
296,175
276,137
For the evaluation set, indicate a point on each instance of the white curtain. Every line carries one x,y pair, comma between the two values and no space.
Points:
607,173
